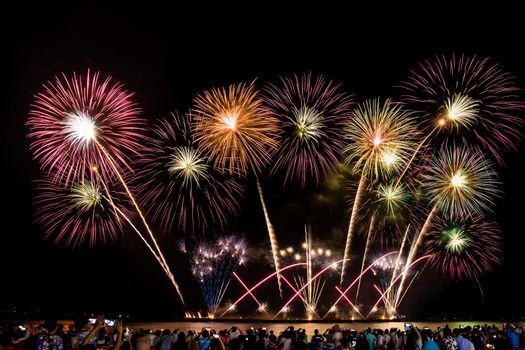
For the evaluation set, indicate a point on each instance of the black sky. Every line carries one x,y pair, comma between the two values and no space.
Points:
167,54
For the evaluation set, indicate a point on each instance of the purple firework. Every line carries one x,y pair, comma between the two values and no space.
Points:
78,213
312,112
178,184
83,121
471,96
463,248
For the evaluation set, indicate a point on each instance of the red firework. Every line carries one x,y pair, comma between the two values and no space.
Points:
475,98
80,213
463,248
311,112
75,120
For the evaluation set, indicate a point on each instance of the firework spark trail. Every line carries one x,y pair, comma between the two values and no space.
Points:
246,288
317,275
307,305
365,254
351,225
480,290
135,204
263,281
416,151
357,278
398,259
273,237
413,251
398,277
349,302
412,280
121,213
386,301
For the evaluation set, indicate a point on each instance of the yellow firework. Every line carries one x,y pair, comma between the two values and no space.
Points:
233,128
381,138
460,182
187,162
86,196
459,111
392,198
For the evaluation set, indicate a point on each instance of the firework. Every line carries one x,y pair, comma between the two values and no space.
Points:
73,116
460,181
381,140
76,214
238,134
178,184
82,124
385,267
463,248
213,265
470,96
233,129
312,112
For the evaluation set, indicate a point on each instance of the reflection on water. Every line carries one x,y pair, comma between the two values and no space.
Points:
309,326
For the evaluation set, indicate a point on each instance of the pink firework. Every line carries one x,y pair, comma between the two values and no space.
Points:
475,99
311,112
75,120
178,184
463,248
78,213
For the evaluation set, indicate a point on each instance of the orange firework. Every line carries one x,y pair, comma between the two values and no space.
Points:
233,129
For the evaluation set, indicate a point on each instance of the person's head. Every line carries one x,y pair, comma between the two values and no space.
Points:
50,325
426,334
205,333
447,332
316,331
166,332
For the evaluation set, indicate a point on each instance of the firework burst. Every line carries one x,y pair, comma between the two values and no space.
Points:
213,265
232,128
78,213
463,248
73,116
312,112
460,181
381,138
471,96
177,182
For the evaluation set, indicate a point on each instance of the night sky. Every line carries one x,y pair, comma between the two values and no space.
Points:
167,55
